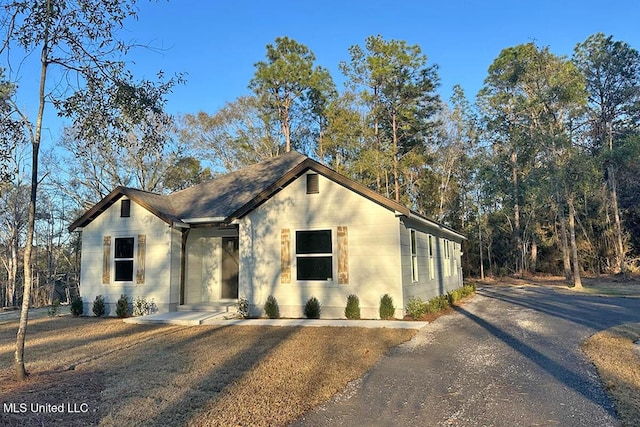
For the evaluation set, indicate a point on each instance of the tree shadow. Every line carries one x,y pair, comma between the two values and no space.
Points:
574,380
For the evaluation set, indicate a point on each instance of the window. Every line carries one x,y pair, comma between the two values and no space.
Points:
414,256
447,257
432,264
125,208
314,255
313,185
123,259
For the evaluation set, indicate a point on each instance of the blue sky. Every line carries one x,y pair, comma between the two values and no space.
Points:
218,42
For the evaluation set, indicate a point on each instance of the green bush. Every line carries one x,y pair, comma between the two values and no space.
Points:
352,310
77,308
271,308
387,310
437,304
416,308
312,308
99,306
122,306
53,309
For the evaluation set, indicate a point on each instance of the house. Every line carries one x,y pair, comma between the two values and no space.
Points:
288,227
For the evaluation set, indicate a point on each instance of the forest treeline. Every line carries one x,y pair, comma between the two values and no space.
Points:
540,170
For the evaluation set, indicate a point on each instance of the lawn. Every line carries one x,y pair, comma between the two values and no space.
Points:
89,371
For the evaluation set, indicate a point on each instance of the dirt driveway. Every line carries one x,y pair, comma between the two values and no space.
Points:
509,357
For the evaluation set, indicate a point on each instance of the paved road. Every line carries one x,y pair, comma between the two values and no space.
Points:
509,357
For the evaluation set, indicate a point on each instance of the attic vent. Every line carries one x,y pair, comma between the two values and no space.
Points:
125,208
313,187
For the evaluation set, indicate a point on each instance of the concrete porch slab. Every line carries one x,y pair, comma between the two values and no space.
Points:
185,318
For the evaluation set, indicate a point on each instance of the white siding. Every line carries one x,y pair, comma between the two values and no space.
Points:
158,259
373,250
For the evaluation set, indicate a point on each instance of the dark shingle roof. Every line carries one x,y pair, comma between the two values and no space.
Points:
223,196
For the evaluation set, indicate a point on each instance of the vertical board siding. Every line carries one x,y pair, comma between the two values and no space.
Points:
142,244
106,260
285,255
343,256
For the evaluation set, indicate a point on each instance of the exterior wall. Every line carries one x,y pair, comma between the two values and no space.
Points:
158,274
373,250
447,274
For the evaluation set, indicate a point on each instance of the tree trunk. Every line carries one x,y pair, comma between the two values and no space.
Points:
396,179
516,213
21,372
577,282
620,252
566,257
480,242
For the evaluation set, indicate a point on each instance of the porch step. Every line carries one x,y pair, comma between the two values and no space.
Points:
227,307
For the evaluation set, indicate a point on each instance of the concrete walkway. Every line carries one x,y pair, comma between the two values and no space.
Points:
189,318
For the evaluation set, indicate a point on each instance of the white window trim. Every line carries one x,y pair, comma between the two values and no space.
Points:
413,244
333,254
134,259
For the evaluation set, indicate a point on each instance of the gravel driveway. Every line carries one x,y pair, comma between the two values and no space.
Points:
508,357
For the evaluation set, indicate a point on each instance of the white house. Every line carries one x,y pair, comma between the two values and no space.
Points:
288,227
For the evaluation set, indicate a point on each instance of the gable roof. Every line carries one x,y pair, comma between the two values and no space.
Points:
233,195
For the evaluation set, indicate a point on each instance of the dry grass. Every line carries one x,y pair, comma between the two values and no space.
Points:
617,359
172,375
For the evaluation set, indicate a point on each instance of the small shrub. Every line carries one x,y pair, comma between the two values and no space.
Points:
243,307
122,306
455,296
312,308
416,308
99,306
271,308
387,310
142,307
53,309
437,304
352,310
77,308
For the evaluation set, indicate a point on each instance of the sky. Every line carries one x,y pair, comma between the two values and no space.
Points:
217,42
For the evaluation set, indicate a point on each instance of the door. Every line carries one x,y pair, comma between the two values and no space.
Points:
230,267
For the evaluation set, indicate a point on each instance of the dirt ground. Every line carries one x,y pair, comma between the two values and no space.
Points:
90,371
628,285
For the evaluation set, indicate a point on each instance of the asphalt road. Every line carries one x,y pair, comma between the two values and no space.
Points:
509,357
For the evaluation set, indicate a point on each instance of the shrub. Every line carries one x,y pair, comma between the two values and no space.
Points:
53,309
142,307
416,308
352,310
122,306
77,308
387,310
271,308
312,308
99,306
437,304
243,307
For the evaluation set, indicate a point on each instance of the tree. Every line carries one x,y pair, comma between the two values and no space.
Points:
185,172
530,100
287,84
395,80
93,88
238,135
612,72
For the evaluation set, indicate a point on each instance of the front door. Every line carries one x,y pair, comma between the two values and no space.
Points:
230,267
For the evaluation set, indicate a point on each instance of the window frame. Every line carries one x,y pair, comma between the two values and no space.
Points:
125,208
413,243
432,264
120,260
304,254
